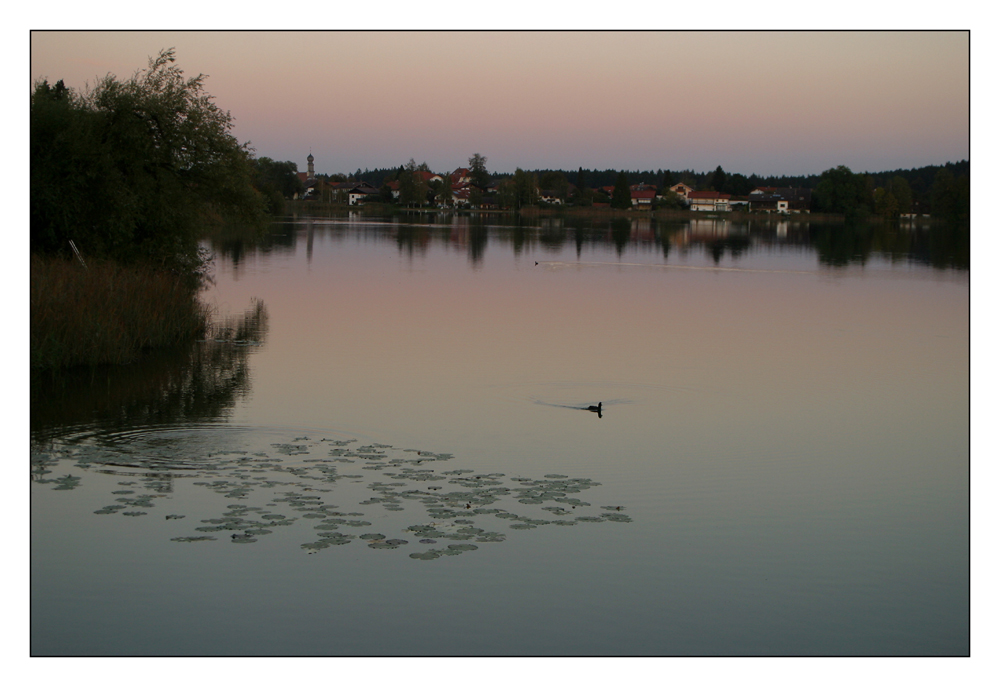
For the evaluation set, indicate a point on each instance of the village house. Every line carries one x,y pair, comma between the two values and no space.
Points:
709,201
354,192
643,196
780,200
683,190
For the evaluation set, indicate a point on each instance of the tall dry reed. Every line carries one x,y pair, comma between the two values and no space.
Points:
106,313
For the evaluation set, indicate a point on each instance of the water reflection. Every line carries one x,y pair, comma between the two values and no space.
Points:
944,246
200,383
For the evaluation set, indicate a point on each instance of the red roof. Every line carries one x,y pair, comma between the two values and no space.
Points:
645,193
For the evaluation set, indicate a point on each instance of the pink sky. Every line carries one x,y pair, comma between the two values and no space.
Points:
753,102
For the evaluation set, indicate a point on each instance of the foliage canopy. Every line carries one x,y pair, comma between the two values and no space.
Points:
134,170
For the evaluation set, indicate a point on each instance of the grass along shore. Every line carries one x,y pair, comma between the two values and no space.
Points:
107,313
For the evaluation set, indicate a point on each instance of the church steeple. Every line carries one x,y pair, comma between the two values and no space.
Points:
309,161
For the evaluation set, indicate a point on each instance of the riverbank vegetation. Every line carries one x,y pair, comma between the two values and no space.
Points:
106,313
132,174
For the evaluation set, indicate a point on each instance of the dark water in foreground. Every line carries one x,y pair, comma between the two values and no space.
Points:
391,453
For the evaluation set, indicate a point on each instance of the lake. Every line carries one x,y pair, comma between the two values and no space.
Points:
387,447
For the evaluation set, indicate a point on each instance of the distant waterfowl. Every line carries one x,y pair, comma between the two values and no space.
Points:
596,408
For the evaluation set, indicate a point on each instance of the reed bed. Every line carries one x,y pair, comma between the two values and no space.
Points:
107,313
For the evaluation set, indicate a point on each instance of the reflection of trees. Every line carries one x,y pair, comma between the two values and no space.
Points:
199,383
621,234
235,244
841,244
836,243
478,235
412,240
941,245
736,245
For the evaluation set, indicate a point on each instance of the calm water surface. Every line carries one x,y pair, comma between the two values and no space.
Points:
389,450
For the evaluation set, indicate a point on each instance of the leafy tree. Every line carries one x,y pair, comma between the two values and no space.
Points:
900,188
444,190
412,188
477,171
842,191
950,195
133,169
886,204
622,196
671,201
276,181
520,191
555,181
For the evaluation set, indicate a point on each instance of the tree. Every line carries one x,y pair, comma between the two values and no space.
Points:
276,181
886,204
718,179
443,191
477,171
842,191
133,169
950,195
900,188
555,181
622,196
412,188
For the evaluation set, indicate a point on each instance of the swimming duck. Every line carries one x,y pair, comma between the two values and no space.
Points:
596,408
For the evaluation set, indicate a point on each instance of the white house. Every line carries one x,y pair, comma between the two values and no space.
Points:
709,201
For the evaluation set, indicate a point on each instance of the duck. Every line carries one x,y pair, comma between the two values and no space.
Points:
597,408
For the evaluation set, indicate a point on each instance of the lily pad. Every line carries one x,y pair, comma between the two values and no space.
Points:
189,539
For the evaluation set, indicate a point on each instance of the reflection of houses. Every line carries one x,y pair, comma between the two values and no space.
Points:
708,228
780,200
709,201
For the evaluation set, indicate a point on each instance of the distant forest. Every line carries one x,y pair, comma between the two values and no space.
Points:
920,179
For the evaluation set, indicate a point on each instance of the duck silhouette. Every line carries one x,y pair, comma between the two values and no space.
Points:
596,409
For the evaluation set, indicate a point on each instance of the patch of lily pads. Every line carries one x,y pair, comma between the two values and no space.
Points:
290,486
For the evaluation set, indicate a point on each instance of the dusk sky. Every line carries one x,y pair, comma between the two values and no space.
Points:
753,102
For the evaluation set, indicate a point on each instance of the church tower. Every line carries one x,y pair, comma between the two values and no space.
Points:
312,172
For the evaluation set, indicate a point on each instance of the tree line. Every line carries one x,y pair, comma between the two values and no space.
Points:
939,190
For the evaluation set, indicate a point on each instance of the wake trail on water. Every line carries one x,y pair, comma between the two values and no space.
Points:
556,265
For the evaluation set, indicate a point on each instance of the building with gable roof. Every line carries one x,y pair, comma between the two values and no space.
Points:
780,200
709,201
